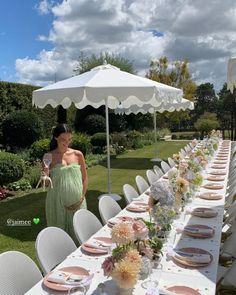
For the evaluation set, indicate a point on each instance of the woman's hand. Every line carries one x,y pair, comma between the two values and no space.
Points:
76,206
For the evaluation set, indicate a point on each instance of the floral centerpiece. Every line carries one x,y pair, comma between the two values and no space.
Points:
132,242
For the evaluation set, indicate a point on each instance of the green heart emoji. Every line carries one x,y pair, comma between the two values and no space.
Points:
36,220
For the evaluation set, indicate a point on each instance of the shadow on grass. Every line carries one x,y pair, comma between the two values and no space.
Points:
132,163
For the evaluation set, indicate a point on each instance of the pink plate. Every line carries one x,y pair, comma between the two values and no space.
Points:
143,207
220,162
188,262
183,290
218,167
73,269
94,251
212,185
218,173
204,212
121,219
210,196
199,234
215,178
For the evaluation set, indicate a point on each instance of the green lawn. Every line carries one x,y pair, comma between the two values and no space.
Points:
31,205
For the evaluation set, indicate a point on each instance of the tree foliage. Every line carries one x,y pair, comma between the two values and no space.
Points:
177,75
206,123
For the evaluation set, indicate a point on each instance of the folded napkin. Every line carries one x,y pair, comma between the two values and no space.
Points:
136,206
114,220
67,278
97,244
198,230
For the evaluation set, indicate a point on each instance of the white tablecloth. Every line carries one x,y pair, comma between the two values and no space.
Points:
168,273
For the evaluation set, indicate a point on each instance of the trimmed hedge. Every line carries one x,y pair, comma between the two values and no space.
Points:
21,129
11,168
39,148
94,124
81,142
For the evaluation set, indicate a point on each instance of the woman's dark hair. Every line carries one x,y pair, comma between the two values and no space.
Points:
59,129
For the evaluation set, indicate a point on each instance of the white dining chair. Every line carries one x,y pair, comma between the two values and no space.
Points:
228,249
18,273
228,277
141,183
130,193
108,208
85,224
53,245
158,170
165,167
152,176
171,162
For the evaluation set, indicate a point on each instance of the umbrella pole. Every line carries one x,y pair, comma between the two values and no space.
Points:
156,159
108,148
155,131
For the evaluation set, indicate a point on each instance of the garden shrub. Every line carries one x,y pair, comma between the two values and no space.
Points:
20,185
99,139
119,138
134,139
39,148
11,168
21,129
33,173
94,123
81,142
174,136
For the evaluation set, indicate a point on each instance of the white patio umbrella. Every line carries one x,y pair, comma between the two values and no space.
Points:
183,105
105,85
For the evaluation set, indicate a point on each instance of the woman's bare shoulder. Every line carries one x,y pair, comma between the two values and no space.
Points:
76,152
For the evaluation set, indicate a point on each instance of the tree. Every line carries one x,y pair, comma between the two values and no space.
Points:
206,123
225,110
206,100
176,75
86,63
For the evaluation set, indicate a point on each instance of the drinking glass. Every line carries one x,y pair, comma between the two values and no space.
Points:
47,160
151,281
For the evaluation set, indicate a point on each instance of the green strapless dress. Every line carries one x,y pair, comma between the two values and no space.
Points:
67,190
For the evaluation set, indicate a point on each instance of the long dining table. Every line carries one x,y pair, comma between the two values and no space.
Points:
168,273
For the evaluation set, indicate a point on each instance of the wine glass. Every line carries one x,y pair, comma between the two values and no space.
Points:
47,160
151,281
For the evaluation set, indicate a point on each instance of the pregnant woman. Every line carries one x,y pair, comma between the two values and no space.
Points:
69,181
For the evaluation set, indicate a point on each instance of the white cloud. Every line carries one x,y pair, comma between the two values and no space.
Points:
44,7
203,32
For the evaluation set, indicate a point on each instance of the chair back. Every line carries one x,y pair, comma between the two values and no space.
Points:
130,193
85,224
53,245
152,176
141,183
108,208
18,272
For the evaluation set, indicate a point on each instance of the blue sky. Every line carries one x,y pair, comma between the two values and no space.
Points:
20,26
139,30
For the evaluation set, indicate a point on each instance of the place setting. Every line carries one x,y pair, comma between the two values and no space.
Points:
215,178
118,219
190,257
97,246
216,172
213,186
195,231
69,279
214,166
137,207
178,289
210,196
203,212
